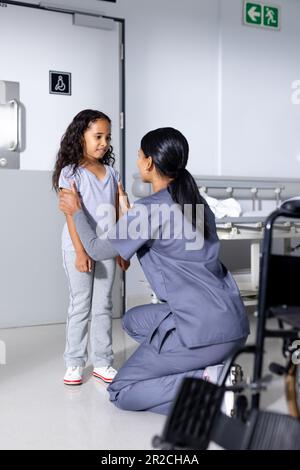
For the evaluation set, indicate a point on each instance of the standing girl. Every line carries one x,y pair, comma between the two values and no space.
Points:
85,157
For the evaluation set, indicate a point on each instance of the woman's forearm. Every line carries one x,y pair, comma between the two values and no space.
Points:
95,247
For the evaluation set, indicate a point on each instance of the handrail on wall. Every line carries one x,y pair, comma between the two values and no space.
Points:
239,187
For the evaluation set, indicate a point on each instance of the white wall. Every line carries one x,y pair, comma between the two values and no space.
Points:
260,125
171,72
193,65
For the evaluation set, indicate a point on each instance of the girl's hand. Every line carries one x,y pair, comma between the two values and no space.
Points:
83,262
69,200
123,263
124,203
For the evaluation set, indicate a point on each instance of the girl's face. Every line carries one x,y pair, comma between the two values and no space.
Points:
144,164
97,139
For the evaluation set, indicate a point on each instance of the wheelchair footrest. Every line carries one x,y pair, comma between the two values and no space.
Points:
196,420
192,417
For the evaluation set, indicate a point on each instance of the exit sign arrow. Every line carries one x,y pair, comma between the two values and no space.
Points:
253,14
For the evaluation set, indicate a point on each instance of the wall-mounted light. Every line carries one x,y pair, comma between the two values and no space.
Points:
10,125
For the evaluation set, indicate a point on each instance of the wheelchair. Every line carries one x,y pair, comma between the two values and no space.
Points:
196,418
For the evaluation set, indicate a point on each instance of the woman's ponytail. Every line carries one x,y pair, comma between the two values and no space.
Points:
184,190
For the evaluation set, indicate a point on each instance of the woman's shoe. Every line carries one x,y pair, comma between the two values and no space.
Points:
106,373
73,375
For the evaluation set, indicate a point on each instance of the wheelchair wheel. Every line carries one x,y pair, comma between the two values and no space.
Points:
292,387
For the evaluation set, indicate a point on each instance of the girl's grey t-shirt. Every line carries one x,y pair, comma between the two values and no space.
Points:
98,198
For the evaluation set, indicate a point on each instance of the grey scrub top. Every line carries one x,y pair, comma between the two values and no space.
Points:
199,290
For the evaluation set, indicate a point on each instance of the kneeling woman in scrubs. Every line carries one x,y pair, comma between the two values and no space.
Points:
201,319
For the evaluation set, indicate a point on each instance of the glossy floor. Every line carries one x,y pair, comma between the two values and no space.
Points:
38,412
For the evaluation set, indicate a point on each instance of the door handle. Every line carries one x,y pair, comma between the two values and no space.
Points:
16,122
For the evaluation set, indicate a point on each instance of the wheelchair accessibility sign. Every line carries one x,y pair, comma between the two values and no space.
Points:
59,83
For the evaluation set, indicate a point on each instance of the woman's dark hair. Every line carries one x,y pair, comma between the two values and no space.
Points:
72,144
169,150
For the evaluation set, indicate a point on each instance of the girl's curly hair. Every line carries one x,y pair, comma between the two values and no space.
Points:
71,149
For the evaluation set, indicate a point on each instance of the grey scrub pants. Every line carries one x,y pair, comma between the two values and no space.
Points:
90,295
149,380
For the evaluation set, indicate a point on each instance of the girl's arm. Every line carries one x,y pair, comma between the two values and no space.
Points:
123,201
79,248
83,261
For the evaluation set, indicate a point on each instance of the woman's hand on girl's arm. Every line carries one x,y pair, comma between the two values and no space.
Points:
124,203
123,263
69,200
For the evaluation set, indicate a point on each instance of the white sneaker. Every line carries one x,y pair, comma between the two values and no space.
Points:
106,373
73,375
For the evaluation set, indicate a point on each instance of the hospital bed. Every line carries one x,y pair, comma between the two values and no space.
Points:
257,197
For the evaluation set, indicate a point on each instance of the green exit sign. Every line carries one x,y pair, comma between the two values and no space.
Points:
261,15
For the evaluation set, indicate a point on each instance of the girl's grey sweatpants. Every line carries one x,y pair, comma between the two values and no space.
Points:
90,296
